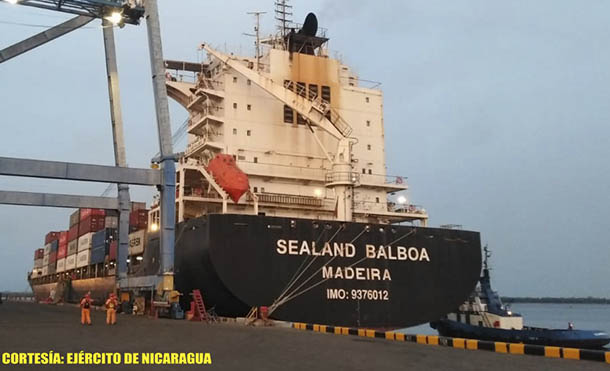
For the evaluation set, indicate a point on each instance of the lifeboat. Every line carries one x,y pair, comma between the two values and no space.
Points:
230,177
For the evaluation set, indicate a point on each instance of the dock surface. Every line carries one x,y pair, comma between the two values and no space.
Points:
28,327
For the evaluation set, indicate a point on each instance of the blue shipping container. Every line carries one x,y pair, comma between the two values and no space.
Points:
54,245
103,238
98,255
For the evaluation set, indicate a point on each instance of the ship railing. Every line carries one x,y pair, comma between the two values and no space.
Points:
199,192
396,179
202,140
208,83
301,90
356,81
322,32
181,76
405,208
347,177
208,110
278,198
381,206
367,176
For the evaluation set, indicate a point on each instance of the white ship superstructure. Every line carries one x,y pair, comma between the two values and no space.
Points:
299,123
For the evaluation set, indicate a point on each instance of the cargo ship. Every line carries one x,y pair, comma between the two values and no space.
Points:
283,198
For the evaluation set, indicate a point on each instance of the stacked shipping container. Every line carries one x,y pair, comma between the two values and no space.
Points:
90,239
100,246
72,241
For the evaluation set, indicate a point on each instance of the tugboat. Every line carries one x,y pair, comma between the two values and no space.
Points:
483,316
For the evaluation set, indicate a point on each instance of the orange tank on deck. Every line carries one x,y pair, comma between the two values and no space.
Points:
230,177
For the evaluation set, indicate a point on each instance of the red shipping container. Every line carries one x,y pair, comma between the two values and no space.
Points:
38,254
50,237
138,219
53,257
92,224
138,206
62,251
113,250
73,233
63,238
85,213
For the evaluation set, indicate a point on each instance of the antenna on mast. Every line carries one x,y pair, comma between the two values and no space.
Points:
257,34
486,257
283,14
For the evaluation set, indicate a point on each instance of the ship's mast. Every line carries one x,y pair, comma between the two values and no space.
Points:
257,34
283,14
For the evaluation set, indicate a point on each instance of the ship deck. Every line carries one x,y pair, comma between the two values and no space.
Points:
31,327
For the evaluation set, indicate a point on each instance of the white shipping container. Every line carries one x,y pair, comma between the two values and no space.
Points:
47,249
45,260
70,262
72,247
45,270
38,263
36,272
82,258
137,240
111,222
84,242
61,265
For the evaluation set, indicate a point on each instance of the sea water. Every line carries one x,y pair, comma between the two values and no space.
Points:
583,316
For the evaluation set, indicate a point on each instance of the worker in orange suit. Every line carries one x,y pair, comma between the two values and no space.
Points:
85,309
111,305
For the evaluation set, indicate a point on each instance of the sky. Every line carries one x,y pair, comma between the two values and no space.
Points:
496,111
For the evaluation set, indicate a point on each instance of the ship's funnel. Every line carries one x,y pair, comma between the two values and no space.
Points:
310,27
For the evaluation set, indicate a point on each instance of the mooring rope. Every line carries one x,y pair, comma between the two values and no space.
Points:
281,300
294,295
294,280
294,277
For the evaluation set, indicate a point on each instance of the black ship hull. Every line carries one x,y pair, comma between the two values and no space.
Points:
343,274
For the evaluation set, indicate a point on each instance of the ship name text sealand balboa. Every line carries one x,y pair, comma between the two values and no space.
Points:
348,250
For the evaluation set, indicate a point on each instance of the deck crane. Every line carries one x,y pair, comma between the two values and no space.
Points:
342,179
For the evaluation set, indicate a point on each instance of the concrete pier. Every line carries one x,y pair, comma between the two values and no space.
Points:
29,327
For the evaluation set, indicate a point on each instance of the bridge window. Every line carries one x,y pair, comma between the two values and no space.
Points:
256,160
313,91
249,132
249,107
234,105
249,82
368,122
301,120
370,172
367,99
302,89
234,80
289,85
326,93
368,146
234,131
288,115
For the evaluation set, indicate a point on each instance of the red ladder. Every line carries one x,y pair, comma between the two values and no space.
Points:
200,312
